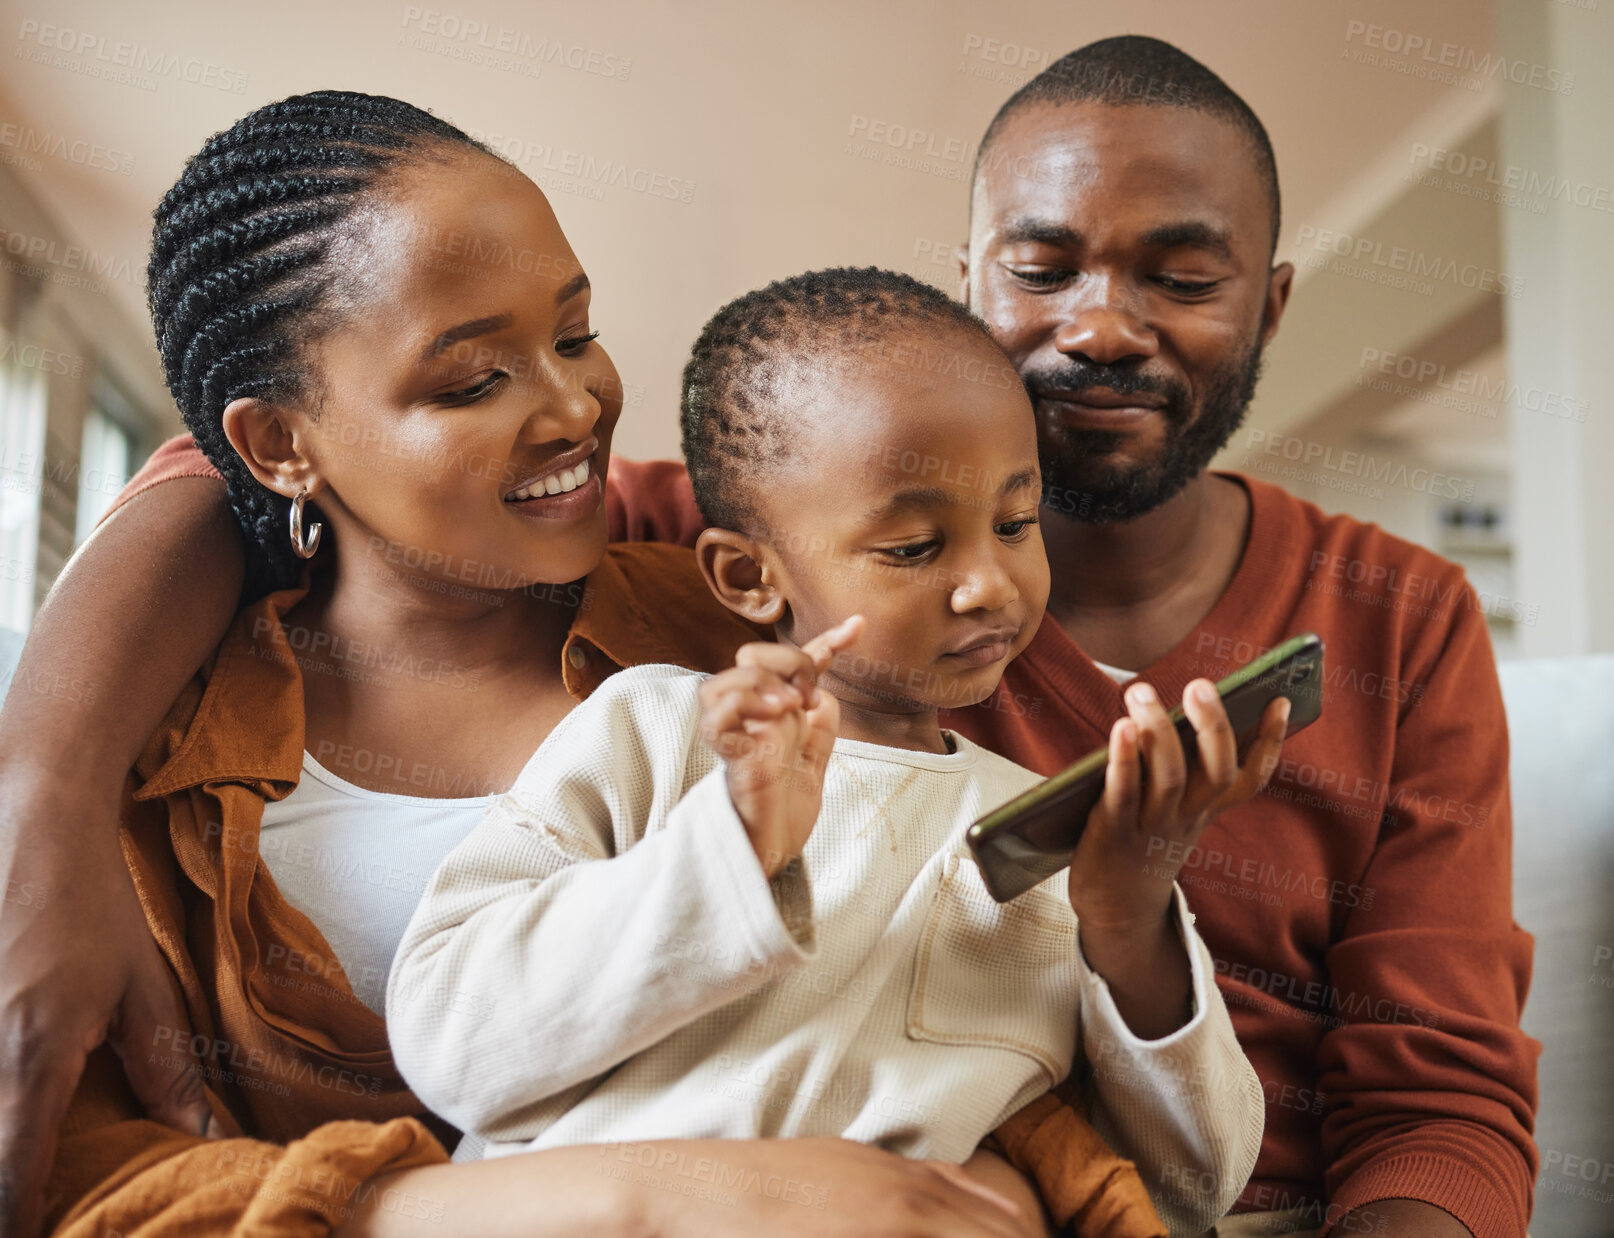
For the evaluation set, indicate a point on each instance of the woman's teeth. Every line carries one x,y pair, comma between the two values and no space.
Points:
555,483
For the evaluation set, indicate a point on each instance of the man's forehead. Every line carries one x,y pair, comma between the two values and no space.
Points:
1170,158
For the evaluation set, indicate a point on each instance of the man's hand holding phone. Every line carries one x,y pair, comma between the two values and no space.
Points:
1156,804
1136,837
775,728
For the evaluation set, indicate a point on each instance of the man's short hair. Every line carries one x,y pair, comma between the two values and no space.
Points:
1133,70
732,422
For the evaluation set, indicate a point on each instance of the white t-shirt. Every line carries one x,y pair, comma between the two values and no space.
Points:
356,861
603,960
1115,672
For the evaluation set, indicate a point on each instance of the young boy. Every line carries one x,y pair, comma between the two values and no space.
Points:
741,905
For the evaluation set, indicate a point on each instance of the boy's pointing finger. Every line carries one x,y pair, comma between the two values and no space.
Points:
823,647
784,661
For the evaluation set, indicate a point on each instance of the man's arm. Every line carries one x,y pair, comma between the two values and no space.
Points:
133,616
651,501
1431,1082
1405,1218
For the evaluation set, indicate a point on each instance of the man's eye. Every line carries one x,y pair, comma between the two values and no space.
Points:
910,553
1188,287
478,390
1037,277
571,347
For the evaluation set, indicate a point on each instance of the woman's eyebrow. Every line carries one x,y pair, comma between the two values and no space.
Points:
497,322
465,331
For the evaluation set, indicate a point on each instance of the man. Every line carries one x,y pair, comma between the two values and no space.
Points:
1124,217
1123,221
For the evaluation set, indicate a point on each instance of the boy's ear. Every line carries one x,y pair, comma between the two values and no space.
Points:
732,565
268,439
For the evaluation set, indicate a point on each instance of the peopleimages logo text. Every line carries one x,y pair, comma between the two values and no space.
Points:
1457,58
136,57
1412,262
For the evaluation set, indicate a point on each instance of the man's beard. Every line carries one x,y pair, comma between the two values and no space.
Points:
1077,479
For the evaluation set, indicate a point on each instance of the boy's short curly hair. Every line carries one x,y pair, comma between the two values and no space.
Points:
731,419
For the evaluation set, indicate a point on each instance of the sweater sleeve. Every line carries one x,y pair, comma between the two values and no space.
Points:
651,501
1430,1081
163,1184
178,457
547,947
1188,1107
1087,1189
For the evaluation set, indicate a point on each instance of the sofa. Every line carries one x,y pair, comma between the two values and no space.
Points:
1561,728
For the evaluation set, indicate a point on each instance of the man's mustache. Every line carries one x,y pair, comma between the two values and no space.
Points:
1080,376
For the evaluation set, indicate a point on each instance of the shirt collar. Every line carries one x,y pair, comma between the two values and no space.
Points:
644,603
248,725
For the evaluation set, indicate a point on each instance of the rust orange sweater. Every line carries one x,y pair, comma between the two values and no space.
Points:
1360,911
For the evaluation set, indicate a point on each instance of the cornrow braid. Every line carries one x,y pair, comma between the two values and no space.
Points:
240,273
731,422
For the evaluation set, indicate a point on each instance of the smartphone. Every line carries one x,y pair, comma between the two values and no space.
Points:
1033,836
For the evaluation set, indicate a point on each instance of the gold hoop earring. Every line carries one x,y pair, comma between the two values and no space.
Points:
302,547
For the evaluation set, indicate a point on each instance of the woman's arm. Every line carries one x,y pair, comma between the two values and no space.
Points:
712,1188
651,501
133,616
994,1172
391,1180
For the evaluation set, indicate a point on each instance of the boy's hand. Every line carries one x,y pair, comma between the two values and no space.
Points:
774,728
1138,835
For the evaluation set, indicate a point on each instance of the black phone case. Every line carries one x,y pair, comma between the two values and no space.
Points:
1033,836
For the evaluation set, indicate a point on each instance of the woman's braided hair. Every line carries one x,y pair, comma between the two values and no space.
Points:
241,271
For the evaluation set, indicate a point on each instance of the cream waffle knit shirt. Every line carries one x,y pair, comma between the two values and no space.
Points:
603,960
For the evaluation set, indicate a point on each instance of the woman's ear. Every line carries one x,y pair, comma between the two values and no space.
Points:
733,567
265,436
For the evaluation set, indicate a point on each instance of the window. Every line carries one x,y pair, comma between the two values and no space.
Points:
22,469
104,459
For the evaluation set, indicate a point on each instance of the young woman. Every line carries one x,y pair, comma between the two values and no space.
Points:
379,335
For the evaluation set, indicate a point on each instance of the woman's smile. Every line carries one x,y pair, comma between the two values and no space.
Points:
566,488
582,500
